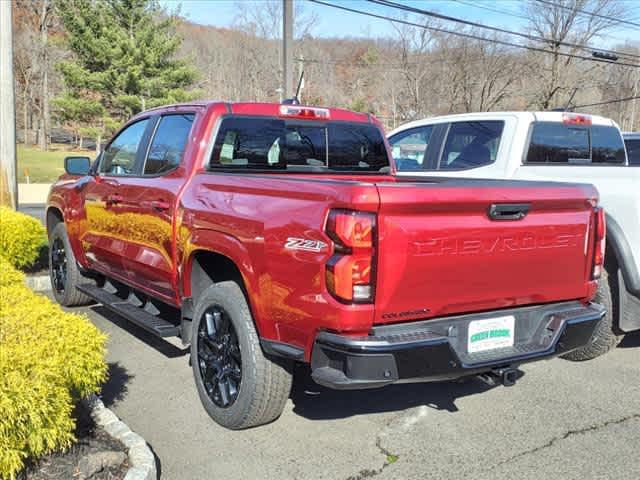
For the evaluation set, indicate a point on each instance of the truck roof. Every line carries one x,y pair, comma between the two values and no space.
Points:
265,109
540,116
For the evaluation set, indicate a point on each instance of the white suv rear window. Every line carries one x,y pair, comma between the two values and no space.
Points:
557,143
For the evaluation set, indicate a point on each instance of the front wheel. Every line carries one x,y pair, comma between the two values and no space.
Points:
63,270
604,337
238,385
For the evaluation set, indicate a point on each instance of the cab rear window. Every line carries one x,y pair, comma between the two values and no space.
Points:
633,151
557,143
275,144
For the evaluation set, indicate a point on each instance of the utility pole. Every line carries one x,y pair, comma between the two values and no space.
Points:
287,48
632,127
8,181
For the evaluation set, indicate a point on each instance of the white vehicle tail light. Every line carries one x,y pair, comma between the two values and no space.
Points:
576,119
600,243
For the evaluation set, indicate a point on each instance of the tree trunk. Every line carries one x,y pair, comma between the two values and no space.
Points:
98,142
44,31
25,119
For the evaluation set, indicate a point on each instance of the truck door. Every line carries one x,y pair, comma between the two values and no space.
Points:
102,233
148,257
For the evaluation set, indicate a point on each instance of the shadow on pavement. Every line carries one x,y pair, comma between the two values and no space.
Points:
115,388
162,346
315,402
630,340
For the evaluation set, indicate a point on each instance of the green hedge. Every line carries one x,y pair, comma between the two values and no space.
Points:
48,360
22,238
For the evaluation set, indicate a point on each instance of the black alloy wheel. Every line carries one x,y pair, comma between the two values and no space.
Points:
58,265
219,358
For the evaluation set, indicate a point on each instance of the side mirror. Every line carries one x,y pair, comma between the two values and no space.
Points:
78,166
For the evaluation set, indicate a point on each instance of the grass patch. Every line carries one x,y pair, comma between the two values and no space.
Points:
392,459
45,166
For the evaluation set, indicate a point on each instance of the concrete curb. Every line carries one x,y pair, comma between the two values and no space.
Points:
142,463
39,283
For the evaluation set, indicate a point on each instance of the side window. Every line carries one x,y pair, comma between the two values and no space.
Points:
168,144
471,145
120,156
606,145
553,142
408,148
633,151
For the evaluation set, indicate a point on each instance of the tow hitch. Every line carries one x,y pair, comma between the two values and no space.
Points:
501,376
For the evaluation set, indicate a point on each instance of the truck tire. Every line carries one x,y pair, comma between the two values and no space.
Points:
238,385
63,270
604,336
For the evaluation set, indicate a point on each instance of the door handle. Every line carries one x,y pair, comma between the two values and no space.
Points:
114,199
508,211
160,205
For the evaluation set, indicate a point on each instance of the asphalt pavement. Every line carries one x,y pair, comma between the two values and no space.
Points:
562,420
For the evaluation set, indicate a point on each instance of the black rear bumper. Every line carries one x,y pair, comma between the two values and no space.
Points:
436,349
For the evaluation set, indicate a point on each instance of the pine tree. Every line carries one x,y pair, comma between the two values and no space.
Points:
124,61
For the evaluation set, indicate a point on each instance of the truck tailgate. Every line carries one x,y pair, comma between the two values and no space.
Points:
440,253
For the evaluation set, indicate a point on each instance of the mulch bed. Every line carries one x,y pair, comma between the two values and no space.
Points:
74,464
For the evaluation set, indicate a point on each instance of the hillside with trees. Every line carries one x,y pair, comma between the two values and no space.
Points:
81,67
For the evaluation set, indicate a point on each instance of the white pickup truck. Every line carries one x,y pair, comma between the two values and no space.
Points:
545,146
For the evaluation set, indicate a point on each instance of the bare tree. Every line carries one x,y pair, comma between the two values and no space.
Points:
563,21
413,45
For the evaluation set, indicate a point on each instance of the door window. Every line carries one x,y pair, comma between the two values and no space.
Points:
120,156
168,144
409,147
471,145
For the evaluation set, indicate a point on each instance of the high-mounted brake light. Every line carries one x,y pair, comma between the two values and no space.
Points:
576,119
350,272
600,232
298,111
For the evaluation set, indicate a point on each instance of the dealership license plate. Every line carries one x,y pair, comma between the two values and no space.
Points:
490,334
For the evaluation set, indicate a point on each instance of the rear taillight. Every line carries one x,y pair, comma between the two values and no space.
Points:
350,272
600,230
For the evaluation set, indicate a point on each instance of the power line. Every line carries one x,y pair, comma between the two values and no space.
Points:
471,36
524,17
407,8
607,102
491,9
585,12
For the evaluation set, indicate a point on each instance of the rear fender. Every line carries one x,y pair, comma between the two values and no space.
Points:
624,256
219,243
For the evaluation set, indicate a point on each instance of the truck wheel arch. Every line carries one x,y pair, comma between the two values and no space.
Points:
53,217
617,243
208,266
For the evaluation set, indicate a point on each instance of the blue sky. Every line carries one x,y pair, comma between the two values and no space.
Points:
336,23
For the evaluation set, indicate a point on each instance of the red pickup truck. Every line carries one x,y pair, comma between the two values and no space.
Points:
267,234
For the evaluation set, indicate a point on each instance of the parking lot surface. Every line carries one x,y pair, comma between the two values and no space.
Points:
561,420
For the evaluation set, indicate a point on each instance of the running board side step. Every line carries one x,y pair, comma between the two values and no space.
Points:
136,315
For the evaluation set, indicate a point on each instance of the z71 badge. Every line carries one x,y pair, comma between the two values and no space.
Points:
302,244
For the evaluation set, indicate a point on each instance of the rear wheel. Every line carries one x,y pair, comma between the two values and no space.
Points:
604,337
238,385
63,270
